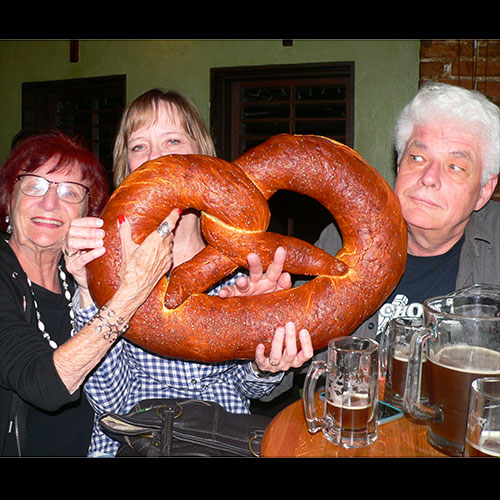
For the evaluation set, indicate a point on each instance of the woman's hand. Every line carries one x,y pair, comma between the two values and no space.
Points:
283,354
258,282
84,243
143,265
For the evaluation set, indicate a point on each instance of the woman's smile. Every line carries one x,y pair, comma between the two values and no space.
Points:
44,221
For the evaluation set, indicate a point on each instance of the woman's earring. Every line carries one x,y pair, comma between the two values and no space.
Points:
9,226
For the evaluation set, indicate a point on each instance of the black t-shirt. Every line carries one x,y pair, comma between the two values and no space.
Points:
65,432
424,277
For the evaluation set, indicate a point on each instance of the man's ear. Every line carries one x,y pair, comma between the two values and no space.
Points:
486,192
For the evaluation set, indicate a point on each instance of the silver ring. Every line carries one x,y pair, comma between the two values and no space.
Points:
272,363
69,254
163,229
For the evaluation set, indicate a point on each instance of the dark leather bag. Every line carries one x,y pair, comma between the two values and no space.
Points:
184,428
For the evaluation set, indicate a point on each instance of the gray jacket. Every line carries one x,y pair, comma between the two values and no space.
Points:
479,263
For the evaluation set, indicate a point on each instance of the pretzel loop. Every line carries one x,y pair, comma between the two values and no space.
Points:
179,320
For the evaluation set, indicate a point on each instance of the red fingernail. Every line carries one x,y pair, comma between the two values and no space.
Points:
180,211
121,219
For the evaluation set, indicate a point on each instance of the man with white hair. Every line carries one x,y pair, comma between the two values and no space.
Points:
448,146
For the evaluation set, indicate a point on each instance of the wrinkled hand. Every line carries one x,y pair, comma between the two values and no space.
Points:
143,265
283,354
84,243
258,282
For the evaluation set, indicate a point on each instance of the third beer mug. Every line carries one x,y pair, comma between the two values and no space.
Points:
462,337
483,426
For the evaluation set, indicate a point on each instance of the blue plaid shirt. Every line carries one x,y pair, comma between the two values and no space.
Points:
129,374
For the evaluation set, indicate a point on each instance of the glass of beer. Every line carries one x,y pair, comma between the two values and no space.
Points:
483,424
462,337
351,392
394,355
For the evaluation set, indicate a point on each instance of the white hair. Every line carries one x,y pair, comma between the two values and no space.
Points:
468,108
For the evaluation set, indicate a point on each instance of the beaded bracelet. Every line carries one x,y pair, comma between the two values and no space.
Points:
114,330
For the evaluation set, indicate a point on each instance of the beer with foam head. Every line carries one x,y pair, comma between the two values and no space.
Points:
352,412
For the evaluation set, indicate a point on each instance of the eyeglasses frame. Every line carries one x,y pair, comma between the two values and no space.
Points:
87,189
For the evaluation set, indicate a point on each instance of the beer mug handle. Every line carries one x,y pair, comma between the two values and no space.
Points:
412,401
317,368
384,348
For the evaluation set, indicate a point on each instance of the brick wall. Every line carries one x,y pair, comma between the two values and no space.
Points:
473,64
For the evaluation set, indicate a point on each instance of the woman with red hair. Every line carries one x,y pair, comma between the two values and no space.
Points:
48,181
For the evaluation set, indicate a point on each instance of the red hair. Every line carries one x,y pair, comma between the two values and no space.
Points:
33,152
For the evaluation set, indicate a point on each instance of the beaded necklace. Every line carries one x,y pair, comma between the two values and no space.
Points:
67,295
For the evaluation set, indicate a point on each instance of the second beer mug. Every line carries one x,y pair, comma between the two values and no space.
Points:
394,354
463,341
351,392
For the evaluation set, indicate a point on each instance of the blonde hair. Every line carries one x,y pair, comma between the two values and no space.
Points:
142,110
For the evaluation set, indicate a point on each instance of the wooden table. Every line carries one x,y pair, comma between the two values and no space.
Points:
287,436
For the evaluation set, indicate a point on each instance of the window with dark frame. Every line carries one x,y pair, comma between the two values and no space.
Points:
88,108
251,104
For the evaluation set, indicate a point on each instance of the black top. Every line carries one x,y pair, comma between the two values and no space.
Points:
27,367
73,421
424,277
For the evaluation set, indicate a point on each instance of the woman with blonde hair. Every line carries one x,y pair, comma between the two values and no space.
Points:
155,124
141,110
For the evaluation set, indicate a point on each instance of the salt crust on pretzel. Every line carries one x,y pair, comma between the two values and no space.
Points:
179,320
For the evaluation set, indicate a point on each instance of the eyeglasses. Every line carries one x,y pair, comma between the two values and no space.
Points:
34,185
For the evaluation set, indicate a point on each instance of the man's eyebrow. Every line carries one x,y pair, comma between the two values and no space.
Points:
460,153
418,144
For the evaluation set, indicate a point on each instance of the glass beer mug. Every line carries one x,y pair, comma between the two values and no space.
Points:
394,355
483,425
462,338
351,392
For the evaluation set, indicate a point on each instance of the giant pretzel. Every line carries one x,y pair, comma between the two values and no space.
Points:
179,320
